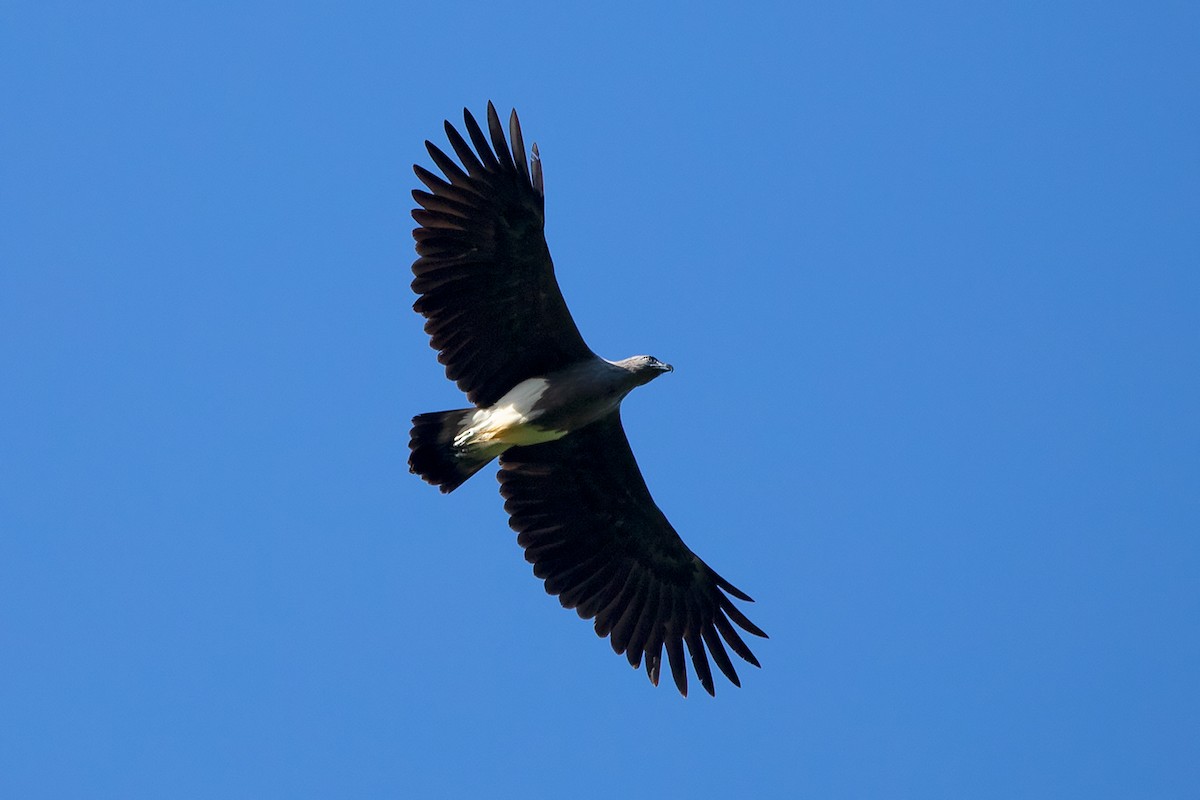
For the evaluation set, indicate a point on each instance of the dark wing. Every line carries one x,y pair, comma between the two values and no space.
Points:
593,533
486,283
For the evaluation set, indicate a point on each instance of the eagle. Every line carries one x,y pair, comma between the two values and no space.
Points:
550,409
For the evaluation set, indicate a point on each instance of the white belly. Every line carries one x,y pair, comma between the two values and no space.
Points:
511,421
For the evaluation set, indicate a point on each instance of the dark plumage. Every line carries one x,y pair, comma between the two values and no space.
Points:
549,408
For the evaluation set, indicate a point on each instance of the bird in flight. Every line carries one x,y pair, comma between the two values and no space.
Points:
550,410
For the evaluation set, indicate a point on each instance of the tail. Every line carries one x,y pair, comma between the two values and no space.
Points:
436,458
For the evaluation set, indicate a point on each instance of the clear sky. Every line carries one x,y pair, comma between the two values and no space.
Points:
929,274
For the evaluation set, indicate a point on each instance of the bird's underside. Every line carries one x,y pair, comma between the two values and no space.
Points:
549,409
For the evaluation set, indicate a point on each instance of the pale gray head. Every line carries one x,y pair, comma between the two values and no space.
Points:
645,368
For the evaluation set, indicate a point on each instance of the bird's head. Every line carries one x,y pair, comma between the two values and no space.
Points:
646,368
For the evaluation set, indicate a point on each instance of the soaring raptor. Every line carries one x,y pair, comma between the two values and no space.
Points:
549,408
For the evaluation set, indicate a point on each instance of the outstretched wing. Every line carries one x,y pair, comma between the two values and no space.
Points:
593,533
486,282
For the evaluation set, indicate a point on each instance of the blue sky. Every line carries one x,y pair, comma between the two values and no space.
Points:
929,274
